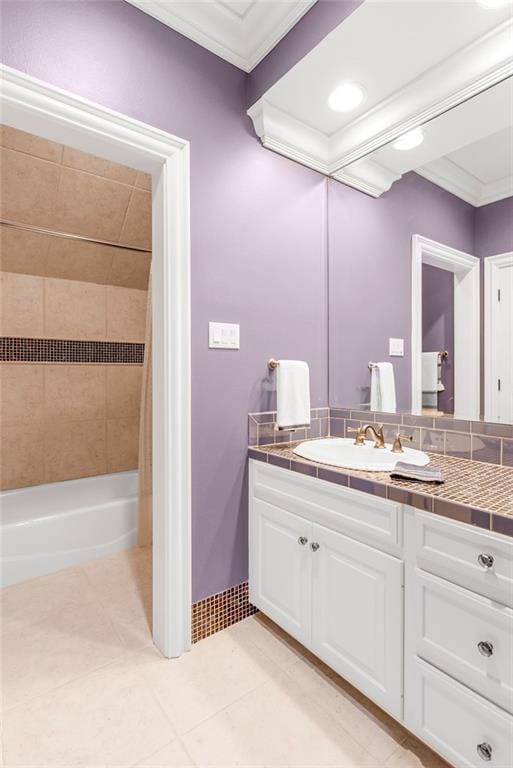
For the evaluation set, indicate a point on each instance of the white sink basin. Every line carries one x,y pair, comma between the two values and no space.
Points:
342,452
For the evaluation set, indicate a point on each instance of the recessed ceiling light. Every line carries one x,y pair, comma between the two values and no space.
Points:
409,140
491,4
345,97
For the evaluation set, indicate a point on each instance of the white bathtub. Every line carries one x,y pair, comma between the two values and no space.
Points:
48,527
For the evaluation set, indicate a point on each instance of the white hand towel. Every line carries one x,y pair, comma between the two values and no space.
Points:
383,388
430,373
293,394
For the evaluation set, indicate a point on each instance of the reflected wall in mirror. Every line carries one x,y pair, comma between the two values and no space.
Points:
430,260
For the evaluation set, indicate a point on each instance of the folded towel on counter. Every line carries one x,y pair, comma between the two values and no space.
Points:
383,388
425,474
293,394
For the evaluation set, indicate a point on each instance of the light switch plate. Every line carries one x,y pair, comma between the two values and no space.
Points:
224,335
396,347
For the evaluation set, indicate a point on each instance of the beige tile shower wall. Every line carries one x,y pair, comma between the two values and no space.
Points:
61,422
55,187
49,308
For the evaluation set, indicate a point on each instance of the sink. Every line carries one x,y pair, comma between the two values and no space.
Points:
342,452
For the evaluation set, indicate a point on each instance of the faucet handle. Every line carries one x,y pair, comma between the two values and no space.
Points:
360,435
397,446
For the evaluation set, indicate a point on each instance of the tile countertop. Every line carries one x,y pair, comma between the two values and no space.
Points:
473,492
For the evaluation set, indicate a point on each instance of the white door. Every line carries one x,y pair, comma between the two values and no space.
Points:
357,615
280,568
499,338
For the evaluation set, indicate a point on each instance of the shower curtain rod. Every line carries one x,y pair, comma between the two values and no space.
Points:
66,236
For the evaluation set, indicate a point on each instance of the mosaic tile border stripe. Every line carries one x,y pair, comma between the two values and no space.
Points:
21,350
217,612
480,495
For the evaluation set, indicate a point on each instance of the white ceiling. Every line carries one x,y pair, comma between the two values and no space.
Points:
489,159
416,61
240,31
383,46
467,151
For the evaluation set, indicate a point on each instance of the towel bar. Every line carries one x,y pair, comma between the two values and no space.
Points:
272,364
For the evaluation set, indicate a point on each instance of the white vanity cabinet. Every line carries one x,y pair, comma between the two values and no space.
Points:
340,597
413,609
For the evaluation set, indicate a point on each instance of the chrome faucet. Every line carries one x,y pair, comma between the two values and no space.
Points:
377,434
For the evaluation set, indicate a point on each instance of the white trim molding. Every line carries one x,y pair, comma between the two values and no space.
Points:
446,174
466,270
468,72
242,34
492,268
37,107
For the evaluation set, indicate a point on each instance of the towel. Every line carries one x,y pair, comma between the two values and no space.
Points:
293,394
431,381
383,388
425,474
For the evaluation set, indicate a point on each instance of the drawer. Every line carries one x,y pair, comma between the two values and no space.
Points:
459,553
363,516
466,729
468,636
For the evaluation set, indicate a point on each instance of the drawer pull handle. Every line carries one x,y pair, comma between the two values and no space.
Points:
314,546
486,561
484,750
485,648
302,540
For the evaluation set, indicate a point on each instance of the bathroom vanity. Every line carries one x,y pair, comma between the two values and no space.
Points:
412,608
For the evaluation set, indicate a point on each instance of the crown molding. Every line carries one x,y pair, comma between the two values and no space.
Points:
368,176
243,39
456,180
471,70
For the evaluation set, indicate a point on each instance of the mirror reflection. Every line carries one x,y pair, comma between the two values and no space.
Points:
441,236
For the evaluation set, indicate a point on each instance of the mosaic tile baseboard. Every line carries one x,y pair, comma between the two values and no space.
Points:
20,350
474,440
217,612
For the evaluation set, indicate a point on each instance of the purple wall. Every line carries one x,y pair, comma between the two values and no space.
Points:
258,234
494,228
370,275
438,326
320,20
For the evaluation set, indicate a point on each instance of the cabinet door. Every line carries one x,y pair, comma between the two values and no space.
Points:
357,615
281,567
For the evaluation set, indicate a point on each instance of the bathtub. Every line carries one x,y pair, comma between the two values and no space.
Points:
48,527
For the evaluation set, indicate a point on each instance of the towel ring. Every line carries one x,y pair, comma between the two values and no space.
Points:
272,364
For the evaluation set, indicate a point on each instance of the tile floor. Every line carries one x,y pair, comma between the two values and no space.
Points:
83,686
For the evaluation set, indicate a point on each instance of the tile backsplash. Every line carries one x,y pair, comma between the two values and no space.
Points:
475,440
263,429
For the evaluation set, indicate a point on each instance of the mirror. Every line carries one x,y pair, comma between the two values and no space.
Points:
432,260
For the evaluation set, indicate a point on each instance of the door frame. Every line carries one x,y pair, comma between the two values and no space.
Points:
466,270
492,267
32,105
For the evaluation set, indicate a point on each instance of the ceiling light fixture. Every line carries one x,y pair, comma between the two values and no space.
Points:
409,140
345,97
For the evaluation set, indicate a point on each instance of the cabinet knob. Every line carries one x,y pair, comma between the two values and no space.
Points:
485,751
302,540
486,560
314,546
485,648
